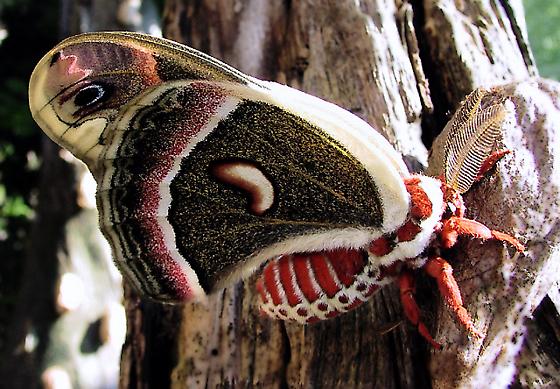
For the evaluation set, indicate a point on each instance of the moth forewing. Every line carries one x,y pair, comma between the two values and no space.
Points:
351,136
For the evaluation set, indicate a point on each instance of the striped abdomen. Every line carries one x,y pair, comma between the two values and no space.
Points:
308,287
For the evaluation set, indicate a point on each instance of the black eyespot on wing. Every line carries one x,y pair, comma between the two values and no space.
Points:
55,57
90,95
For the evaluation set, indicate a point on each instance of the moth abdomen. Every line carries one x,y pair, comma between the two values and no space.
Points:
307,287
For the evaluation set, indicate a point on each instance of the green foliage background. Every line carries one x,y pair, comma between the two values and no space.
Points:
543,24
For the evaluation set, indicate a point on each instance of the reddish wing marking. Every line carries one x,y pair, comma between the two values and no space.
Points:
66,70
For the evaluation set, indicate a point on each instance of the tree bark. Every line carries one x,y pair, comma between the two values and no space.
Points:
401,66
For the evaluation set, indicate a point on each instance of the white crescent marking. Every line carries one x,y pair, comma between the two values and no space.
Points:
250,179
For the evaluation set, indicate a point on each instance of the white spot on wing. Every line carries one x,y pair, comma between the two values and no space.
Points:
251,179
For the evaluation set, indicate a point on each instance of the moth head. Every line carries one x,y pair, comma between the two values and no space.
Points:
79,88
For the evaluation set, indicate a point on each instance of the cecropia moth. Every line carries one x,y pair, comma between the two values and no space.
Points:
206,175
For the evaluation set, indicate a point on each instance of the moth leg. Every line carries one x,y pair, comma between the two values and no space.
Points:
455,226
442,271
411,310
489,163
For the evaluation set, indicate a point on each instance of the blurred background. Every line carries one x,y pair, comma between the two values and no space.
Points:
62,322
87,296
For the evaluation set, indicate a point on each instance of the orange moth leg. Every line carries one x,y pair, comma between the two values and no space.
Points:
490,161
509,239
442,271
411,310
455,226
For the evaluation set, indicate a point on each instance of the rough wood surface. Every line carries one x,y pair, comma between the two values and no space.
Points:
500,287
372,58
538,364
